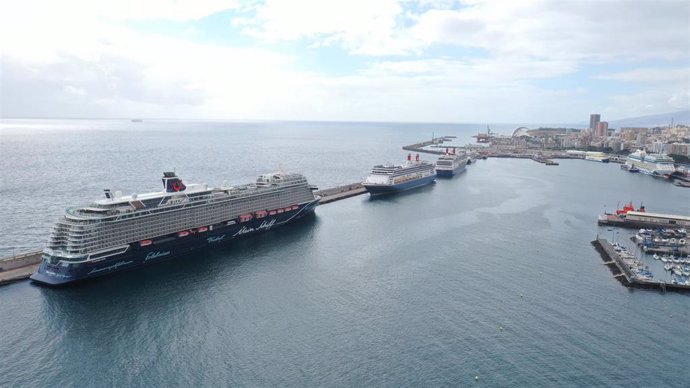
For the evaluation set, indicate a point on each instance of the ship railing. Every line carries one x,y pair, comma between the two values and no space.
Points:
183,222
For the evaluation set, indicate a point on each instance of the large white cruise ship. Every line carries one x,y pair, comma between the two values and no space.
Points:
388,178
651,164
123,232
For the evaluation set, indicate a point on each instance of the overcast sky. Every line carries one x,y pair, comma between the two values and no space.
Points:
378,60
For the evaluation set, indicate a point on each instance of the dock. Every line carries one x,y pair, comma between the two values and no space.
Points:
19,267
340,192
644,220
623,274
434,142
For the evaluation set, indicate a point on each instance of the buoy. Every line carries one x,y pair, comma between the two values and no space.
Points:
520,295
501,328
476,378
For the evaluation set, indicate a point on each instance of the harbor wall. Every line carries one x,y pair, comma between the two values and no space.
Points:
19,267
21,260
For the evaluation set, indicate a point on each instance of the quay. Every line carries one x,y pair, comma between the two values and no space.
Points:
19,267
435,141
623,273
638,220
340,192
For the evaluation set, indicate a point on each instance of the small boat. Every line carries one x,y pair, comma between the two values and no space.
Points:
261,214
656,257
668,267
183,233
144,243
202,229
246,217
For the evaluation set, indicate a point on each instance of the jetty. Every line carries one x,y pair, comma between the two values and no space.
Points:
340,192
625,275
19,267
642,219
436,142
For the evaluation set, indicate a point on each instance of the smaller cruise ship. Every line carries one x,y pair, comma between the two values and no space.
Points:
597,157
451,163
389,178
658,165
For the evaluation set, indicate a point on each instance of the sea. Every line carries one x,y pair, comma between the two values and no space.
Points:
485,279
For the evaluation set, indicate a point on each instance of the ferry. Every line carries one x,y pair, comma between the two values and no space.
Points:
657,165
451,163
119,232
389,178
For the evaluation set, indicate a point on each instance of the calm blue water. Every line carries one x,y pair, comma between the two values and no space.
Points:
406,291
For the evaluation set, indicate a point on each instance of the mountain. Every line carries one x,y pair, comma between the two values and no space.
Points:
664,119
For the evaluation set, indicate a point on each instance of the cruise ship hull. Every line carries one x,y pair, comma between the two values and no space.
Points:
375,189
449,173
164,249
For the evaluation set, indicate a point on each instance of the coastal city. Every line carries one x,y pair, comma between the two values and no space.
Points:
673,139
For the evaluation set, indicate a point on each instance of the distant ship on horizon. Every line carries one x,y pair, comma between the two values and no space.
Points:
389,178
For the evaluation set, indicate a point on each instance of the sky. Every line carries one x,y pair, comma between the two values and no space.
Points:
469,61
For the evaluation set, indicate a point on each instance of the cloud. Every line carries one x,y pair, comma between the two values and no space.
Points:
437,60
677,75
361,26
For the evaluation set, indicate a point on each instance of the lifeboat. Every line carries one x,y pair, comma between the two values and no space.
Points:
295,207
272,213
287,209
261,214
279,211
246,217
183,233
144,243
202,229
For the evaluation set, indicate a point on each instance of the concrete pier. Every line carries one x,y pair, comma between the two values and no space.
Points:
621,271
340,192
19,267
420,147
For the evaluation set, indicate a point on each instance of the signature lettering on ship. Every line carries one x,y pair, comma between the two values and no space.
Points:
155,255
265,225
